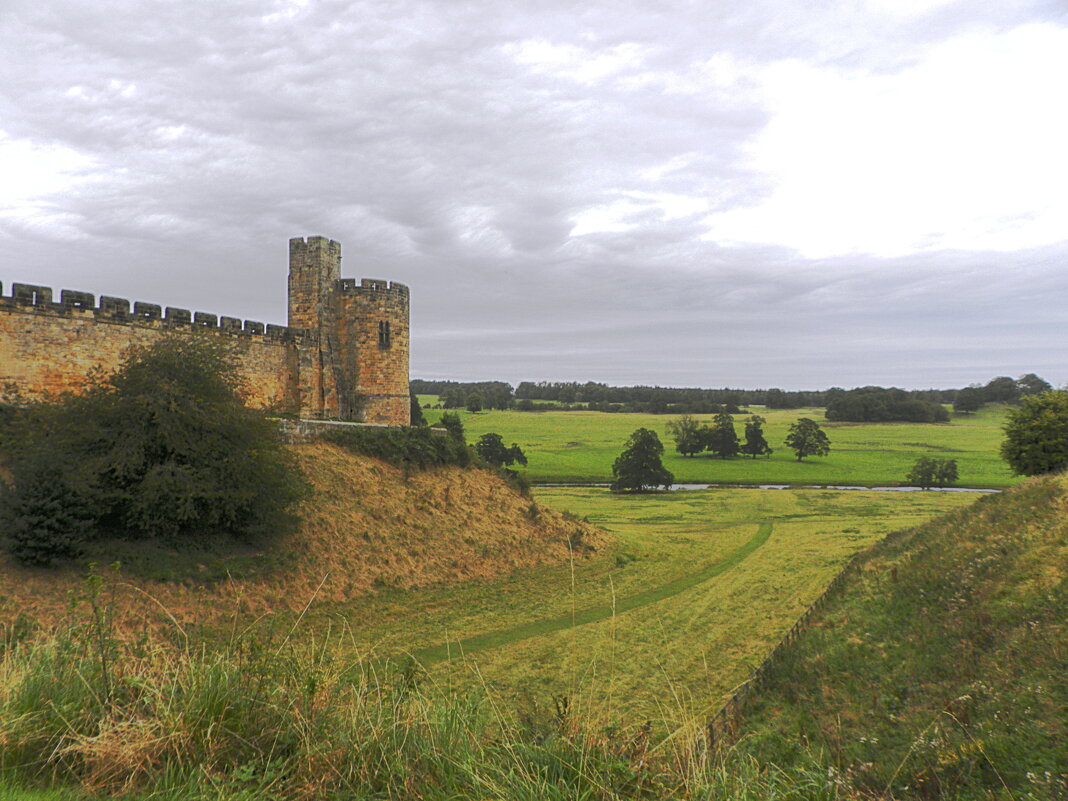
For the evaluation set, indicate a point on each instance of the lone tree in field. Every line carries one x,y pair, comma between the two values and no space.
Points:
755,445
1036,434
687,434
491,448
639,468
163,449
806,438
722,439
928,472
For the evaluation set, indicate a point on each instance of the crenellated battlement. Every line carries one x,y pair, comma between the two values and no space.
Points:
30,298
300,246
372,287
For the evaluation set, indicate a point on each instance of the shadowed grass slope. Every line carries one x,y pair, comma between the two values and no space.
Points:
941,670
366,526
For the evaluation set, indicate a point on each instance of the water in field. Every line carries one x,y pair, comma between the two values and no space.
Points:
675,487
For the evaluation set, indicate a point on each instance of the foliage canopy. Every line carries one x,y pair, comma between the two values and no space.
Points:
163,448
491,448
1036,434
806,438
688,435
879,405
755,444
721,438
639,467
928,472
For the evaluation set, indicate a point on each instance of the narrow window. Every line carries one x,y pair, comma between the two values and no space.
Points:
383,334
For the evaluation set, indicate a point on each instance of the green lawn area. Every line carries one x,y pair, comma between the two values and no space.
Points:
698,587
581,446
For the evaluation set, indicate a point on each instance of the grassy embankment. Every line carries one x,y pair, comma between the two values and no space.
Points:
941,670
581,446
367,527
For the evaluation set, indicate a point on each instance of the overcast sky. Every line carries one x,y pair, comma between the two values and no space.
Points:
719,193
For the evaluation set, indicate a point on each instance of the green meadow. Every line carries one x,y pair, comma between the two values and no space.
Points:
697,589
581,446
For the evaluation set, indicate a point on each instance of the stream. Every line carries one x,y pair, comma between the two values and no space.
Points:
675,487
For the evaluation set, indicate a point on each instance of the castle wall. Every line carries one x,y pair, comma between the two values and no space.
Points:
344,355
47,348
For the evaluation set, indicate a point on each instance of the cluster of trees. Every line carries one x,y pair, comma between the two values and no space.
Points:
462,395
776,398
864,404
999,390
805,437
1036,442
929,472
631,407
719,438
878,405
593,392
164,449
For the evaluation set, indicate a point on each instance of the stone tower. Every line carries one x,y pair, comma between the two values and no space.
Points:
359,368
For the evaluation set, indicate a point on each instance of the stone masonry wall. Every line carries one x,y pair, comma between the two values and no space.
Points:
47,348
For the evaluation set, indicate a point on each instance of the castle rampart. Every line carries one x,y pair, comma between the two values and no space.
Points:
323,365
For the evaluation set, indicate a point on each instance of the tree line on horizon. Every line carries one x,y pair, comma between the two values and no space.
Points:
862,404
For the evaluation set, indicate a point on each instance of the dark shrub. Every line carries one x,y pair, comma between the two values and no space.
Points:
164,448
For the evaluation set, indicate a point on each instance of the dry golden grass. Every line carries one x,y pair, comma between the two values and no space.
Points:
365,526
372,526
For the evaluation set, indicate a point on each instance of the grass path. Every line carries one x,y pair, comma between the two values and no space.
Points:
593,614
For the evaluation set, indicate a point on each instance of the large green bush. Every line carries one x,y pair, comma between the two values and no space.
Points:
163,448
1036,434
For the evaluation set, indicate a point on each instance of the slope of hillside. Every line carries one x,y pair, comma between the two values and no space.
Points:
941,668
366,526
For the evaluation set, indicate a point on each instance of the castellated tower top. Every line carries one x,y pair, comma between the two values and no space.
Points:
314,267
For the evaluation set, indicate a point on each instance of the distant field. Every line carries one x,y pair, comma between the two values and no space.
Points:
704,583
581,446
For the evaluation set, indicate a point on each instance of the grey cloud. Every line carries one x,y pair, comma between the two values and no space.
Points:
408,131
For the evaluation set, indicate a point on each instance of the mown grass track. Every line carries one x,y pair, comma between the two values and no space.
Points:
594,614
